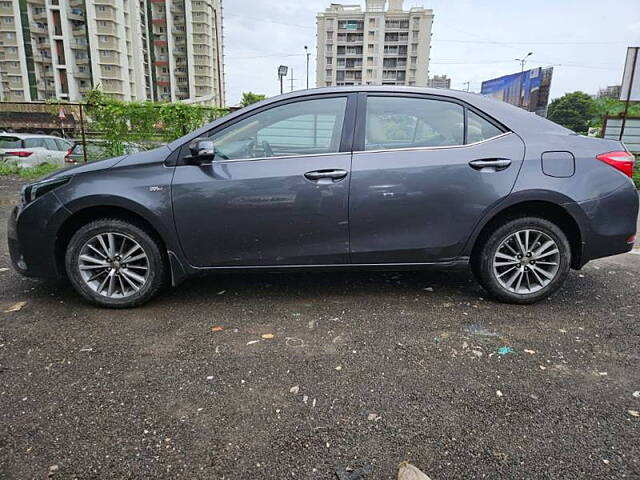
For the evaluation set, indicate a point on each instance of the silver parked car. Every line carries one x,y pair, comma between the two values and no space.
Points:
30,150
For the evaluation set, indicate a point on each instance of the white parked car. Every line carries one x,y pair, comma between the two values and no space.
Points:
29,150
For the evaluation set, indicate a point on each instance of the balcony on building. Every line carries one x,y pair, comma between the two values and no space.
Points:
351,25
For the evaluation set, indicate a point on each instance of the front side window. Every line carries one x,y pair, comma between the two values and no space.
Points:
302,128
50,144
401,122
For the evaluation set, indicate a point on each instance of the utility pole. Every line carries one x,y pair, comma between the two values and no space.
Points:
522,61
306,50
292,79
468,84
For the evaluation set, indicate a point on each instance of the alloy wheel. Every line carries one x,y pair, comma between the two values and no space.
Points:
113,265
526,261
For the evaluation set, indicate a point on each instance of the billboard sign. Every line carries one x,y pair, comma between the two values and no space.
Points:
631,78
631,136
528,89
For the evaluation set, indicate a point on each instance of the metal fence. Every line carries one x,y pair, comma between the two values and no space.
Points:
73,121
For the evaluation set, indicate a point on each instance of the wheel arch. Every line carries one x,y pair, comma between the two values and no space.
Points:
552,206
88,214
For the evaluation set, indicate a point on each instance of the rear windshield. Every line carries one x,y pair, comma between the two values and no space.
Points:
10,142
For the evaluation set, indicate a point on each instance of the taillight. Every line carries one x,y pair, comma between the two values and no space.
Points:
21,153
622,161
67,157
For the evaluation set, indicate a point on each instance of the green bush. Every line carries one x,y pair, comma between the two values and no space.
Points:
28,173
118,122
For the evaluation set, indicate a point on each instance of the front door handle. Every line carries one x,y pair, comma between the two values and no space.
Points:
490,164
336,174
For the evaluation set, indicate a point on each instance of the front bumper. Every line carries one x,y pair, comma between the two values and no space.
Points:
31,236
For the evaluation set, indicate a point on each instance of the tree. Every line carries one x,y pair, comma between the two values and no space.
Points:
574,110
249,97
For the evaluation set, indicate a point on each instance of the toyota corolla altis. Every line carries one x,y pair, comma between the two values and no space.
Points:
346,177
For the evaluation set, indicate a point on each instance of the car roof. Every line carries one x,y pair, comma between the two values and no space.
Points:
30,135
516,119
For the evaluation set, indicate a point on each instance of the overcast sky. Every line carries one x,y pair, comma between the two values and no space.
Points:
585,41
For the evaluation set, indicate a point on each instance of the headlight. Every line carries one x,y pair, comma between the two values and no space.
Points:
36,190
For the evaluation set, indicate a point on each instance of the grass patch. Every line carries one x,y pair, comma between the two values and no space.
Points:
28,173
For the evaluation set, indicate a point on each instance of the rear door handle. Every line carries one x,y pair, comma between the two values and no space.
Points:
336,174
490,164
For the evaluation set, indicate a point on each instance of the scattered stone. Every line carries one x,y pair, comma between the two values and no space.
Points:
16,307
339,367
428,289
499,393
268,336
252,342
406,471
636,394
634,413
294,389
53,469
530,352
372,417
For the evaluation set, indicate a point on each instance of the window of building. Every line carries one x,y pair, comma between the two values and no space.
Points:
415,35
329,60
414,47
479,129
372,22
397,122
301,128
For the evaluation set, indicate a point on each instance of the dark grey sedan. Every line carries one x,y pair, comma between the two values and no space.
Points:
349,177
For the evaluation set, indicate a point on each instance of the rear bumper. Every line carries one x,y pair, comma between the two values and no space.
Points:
31,237
611,221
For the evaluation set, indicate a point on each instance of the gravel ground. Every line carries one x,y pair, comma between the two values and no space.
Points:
364,369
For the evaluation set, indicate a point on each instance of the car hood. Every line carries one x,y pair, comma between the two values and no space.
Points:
105,164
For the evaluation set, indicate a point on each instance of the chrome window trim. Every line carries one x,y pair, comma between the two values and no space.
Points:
281,157
331,154
439,147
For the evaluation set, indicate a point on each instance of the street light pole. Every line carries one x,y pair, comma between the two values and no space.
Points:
522,61
306,50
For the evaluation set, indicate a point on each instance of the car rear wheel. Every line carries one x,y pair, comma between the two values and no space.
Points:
114,263
523,260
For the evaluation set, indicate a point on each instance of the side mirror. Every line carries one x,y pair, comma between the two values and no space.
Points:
202,151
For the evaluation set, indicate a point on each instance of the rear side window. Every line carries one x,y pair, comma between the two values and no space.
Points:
34,142
479,129
401,122
10,142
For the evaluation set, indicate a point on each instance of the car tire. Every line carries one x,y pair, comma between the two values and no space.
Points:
519,267
98,269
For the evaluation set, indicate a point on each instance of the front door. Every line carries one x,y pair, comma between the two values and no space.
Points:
276,192
421,181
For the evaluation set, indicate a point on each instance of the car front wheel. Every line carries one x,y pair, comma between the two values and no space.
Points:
114,263
523,260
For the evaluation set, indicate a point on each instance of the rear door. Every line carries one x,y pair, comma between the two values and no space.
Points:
424,172
277,190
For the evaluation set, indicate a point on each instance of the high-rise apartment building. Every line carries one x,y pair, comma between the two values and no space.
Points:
377,46
439,81
164,50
